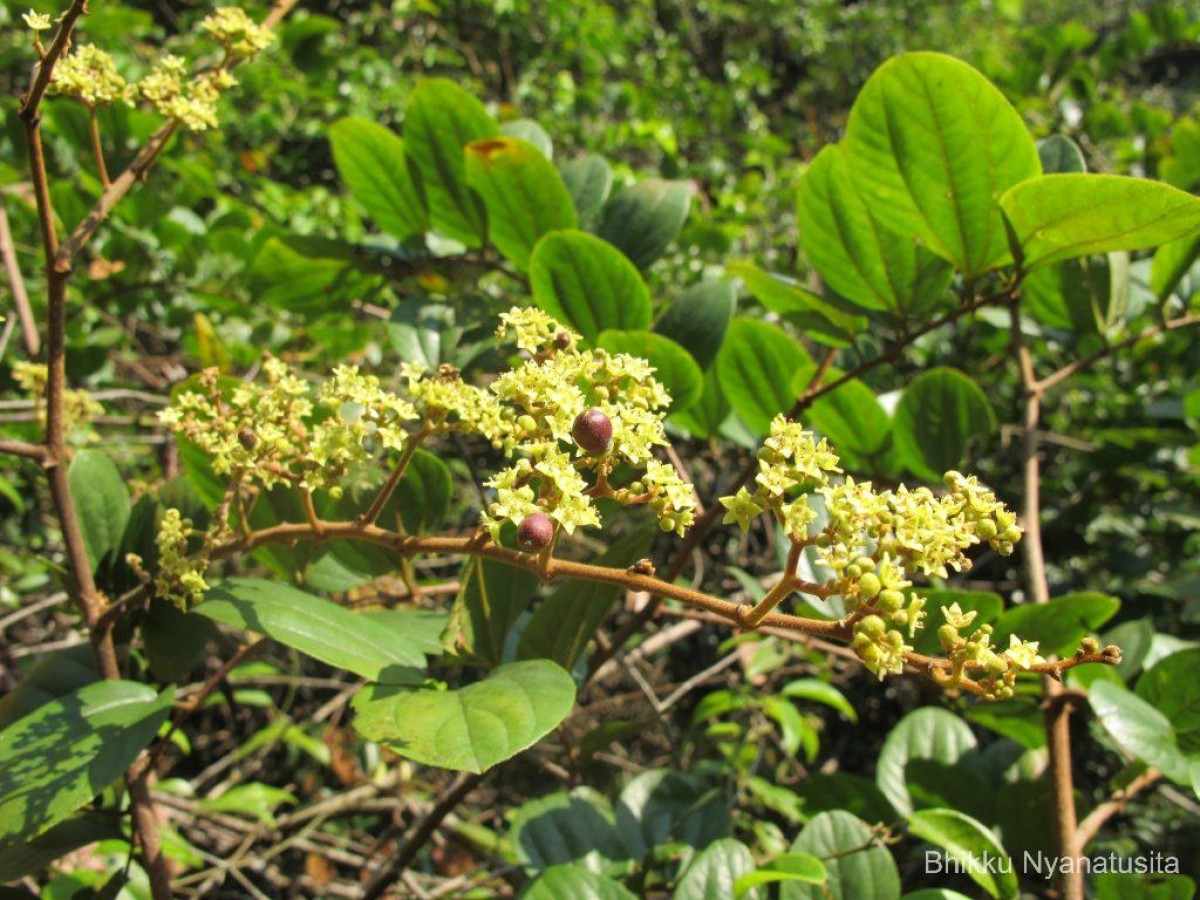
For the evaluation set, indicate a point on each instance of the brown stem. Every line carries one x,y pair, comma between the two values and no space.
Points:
16,283
1052,381
385,493
23,448
1094,821
98,148
41,80
1057,715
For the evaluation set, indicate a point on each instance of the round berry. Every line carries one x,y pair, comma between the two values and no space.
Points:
247,438
593,431
535,532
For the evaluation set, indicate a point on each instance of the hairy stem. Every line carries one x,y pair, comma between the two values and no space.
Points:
1057,715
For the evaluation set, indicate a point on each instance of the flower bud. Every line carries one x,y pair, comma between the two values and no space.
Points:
872,627
593,431
890,601
869,585
986,529
535,532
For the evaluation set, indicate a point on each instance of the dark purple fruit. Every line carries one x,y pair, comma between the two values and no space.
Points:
535,532
247,438
593,431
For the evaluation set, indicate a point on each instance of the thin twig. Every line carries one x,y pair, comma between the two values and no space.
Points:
16,283
1094,821
1052,381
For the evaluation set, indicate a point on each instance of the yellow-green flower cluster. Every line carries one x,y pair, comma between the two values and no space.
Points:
540,400
240,35
974,654
175,95
88,74
180,575
79,409
443,397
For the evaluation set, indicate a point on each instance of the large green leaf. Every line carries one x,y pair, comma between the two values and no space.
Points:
56,674
441,119
588,283
565,827
472,728
855,866
30,856
712,872
1059,154
644,218
940,412
1057,626
927,733
589,179
370,160
58,757
565,621
854,420
931,146
522,193
1140,729
673,365
856,255
699,317
316,627
661,805
757,366
490,599
845,791
1171,262
1058,217
174,640
703,419
101,502
1172,686
1134,886
971,845
577,883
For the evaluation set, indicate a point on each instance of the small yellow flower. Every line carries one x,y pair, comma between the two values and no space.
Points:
36,21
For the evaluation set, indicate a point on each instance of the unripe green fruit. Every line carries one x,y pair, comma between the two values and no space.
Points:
890,601
872,627
593,431
986,529
535,532
869,585
527,423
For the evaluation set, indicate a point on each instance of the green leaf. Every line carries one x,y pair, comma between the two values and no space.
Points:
490,599
926,733
314,626
1132,886
58,757
441,119
969,843
29,857
522,193
473,728
1057,626
1058,217
1060,155
819,318
588,284
576,883
822,692
673,365
986,606
56,674
254,799
174,640
757,367
703,418
855,422
940,412
1140,729
698,318
931,145
799,867
589,180
1171,262
565,621
855,866
1172,686
370,161
714,871
565,827
644,218
1019,719
101,503
935,894
856,255
844,791
661,805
